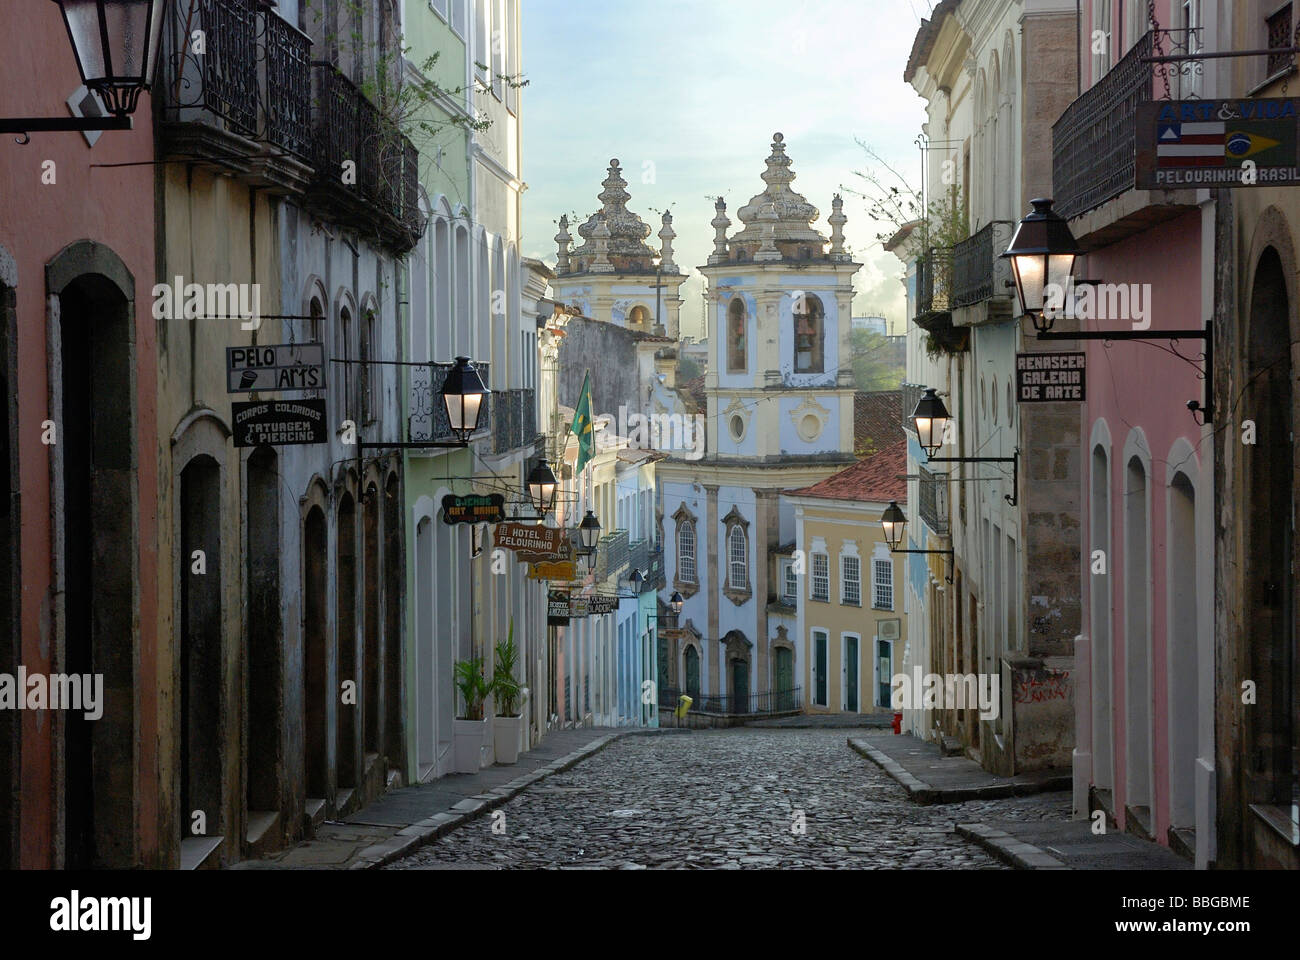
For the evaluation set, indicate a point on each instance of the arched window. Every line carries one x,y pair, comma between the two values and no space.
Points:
345,334
738,559
809,329
638,318
368,413
737,348
686,552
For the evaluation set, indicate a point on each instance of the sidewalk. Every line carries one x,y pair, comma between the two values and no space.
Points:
403,820
930,777
818,721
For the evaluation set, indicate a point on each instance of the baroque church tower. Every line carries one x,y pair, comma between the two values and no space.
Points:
779,391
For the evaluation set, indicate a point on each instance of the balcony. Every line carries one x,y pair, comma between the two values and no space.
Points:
428,421
933,501
243,104
612,555
366,170
980,277
934,277
912,393
1094,150
514,424
638,558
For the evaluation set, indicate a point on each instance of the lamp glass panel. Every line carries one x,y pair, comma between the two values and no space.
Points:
1031,274
83,25
1059,268
128,30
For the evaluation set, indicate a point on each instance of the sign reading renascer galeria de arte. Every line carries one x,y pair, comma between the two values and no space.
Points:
1047,377
279,422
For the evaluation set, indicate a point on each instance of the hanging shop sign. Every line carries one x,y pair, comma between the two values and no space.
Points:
533,543
285,366
1050,377
557,608
598,604
578,607
473,509
1217,143
560,570
279,422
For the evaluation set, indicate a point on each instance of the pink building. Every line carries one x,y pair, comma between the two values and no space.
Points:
78,511
1144,704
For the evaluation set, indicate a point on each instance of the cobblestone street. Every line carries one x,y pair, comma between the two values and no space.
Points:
727,799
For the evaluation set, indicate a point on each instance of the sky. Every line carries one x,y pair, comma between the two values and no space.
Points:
687,94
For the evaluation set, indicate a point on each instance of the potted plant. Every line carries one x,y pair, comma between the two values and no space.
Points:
508,724
471,729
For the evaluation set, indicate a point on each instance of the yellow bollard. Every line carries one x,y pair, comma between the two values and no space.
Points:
683,705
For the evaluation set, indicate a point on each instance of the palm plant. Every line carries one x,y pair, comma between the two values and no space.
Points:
474,688
505,687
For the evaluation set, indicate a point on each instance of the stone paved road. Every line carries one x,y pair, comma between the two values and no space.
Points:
726,799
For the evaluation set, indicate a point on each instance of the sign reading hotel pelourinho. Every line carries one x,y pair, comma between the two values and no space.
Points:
557,608
1049,377
279,422
1183,144
534,543
473,509
285,366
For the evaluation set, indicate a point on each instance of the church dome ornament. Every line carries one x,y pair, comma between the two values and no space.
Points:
627,232
779,218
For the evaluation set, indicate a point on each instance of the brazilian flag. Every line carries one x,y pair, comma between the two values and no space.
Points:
582,426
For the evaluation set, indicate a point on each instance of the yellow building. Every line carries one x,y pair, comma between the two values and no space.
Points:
850,628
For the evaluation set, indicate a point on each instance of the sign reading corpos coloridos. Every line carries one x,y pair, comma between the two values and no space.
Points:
557,609
279,422
1217,143
1046,377
473,509
285,366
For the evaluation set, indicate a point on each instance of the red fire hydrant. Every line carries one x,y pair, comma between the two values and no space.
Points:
898,723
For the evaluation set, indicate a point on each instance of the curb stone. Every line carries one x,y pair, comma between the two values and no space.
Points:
921,792
1003,846
409,839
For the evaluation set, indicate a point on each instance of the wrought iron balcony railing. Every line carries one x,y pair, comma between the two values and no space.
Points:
366,169
1094,143
933,506
638,557
911,397
217,84
612,555
934,281
978,273
286,114
427,421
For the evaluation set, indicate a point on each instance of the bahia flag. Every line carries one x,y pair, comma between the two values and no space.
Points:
582,426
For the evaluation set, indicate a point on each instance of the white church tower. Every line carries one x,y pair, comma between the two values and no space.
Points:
779,390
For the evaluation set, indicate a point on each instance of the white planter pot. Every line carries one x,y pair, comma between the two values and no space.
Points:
469,735
506,732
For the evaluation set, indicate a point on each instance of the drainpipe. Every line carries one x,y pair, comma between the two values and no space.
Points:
1078,49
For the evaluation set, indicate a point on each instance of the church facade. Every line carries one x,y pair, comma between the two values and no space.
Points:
779,393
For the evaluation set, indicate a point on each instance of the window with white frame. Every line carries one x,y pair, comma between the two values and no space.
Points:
821,577
1101,40
790,582
882,580
686,552
850,580
738,558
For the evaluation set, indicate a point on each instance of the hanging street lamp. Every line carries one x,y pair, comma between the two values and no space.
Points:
462,395
589,536
930,418
115,44
894,523
542,486
676,602
1042,255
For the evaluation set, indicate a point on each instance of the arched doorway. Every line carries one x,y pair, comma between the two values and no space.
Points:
200,649
1137,635
783,677
371,666
315,642
1272,723
426,740
96,547
10,639
393,579
691,670
345,618
1103,702
265,664
1184,641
